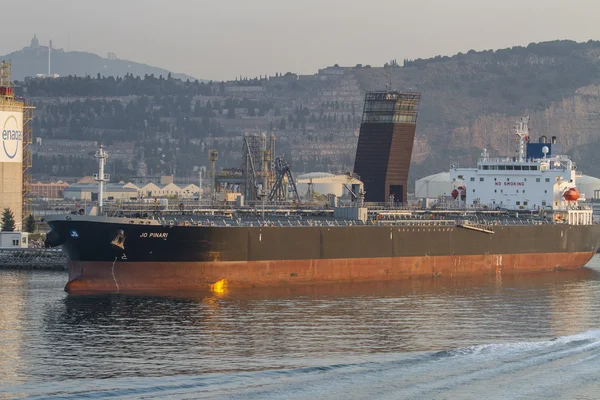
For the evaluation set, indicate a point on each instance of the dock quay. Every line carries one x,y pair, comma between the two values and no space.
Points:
33,258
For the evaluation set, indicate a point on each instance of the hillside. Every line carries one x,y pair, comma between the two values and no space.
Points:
469,101
33,60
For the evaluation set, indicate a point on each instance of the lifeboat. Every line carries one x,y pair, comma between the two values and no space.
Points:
454,194
571,194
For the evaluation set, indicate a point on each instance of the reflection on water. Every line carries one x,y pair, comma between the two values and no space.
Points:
12,307
48,337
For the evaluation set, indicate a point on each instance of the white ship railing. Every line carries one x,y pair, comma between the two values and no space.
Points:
419,223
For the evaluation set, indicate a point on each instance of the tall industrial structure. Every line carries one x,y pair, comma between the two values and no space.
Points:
387,133
15,158
213,156
258,164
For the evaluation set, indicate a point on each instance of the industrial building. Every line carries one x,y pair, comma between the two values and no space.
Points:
385,143
11,240
15,159
128,191
49,190
89,192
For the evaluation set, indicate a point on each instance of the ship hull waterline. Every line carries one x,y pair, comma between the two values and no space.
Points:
102,277
107,255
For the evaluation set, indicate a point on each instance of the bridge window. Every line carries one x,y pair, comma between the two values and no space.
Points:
480,179
547,179
472,179
537,179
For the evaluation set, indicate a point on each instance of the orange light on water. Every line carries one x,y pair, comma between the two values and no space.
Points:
219,287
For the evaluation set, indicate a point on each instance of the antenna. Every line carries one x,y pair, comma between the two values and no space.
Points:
101,177
521,130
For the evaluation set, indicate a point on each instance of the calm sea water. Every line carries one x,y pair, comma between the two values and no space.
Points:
531,336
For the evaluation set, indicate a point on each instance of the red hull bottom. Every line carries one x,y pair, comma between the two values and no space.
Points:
91,277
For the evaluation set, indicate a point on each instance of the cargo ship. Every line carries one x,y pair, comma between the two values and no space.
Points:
516,214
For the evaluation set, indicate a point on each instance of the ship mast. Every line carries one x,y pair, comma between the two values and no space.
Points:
522,132
101,155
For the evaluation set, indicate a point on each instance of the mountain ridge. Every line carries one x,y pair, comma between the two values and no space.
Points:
32,61
468,102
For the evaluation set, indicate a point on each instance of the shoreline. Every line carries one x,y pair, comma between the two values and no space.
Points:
33,259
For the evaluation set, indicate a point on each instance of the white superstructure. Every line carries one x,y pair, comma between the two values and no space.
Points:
518,183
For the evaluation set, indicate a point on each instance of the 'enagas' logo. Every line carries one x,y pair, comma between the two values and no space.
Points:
11,137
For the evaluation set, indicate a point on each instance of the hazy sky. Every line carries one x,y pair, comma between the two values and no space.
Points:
222,39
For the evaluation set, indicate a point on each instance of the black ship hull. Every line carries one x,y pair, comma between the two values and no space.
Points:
108,255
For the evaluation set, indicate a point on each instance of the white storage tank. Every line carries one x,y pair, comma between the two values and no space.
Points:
434,186
588,186
325,183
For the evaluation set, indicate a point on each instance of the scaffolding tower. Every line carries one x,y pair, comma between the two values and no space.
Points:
258,164
279,191
27,159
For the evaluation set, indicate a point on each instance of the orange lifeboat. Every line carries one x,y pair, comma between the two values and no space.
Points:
571,194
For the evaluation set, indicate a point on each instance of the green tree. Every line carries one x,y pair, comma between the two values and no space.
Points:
30,223
8,220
